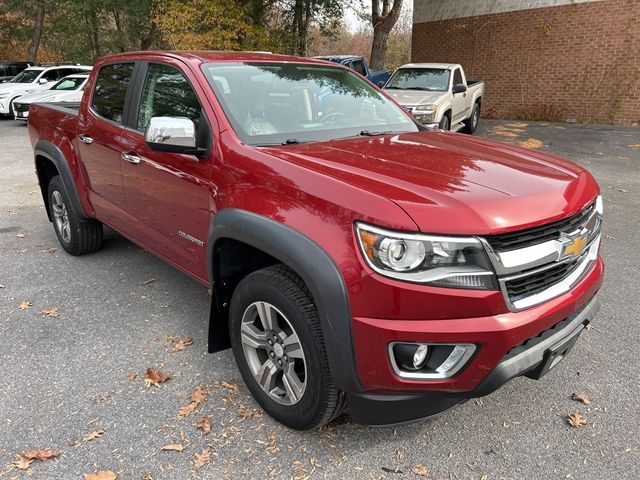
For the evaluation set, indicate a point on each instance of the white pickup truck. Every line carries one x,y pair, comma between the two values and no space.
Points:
438,95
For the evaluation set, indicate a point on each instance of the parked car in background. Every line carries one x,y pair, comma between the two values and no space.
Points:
438,95
354,256
359,64
8,70
31,80
67,92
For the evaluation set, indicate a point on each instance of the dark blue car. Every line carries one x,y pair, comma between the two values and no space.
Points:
359,64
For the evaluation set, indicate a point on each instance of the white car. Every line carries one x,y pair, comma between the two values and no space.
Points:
31,80
69,90
438,95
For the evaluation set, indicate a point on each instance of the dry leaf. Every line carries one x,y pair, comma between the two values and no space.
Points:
420,470
2,286
173,447
102,475
93,435
181,343
581,397
153,377
576,419
187,409
148,281
204,423
20,235
132,377
25,304
199,459
41,454
22,463
531,143
198,395
50,250
51,312
234,387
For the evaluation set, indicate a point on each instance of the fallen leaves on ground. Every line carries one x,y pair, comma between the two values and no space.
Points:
173,447
178,343
200,459
204,424
234,387
2,286
420,470
153,377
532,143
504,131
20,235
132,377
25,304
51,312
22,463
635,146
41,454
50,250
576,419
197,397
147,282
581,397
93,435
102,475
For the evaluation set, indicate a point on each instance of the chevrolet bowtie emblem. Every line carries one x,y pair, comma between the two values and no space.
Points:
575,247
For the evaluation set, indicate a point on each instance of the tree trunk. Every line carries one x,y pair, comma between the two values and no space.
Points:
299,26
94,36
383,20
34,46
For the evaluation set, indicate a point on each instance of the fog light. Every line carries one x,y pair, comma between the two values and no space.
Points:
420,356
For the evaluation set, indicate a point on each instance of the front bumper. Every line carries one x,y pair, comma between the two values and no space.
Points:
533,358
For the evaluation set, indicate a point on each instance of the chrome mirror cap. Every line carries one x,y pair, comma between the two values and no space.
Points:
175,131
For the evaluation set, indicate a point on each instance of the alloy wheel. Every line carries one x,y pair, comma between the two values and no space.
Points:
61,217
273,353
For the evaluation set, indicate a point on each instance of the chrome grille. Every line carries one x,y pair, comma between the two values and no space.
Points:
541,263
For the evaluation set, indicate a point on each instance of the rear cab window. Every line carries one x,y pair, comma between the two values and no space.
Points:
110,91
457,77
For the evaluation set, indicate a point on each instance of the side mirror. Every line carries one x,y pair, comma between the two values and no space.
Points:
42,81
172,134
459,88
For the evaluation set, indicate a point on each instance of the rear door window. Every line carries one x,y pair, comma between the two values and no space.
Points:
111,90
52,75
358,66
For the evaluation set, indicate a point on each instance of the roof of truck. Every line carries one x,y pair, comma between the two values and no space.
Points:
219,56
337,58
443,66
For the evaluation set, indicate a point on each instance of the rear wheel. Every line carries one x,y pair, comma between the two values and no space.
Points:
471,123
76,236
278,346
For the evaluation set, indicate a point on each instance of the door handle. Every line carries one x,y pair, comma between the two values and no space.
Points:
131,158
85,139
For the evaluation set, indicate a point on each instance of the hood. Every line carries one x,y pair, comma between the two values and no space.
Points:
51,96
415,97
5,87
452,183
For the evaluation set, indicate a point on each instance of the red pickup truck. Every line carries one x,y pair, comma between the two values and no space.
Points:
356,258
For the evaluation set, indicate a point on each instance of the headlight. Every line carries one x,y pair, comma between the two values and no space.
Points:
430,107
459,262
425,113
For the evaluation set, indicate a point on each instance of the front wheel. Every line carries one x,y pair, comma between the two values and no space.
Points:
471,123
76,236
445,123
278,346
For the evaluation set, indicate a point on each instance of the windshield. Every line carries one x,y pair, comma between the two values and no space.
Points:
428,79
70,83
26,76
284,103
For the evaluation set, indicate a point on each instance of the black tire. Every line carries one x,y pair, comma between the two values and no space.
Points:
12,111
445,122
281,288
471,123
76,236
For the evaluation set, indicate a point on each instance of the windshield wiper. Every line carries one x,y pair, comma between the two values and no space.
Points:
368,133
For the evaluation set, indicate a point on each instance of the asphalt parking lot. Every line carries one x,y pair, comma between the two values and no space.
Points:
68,374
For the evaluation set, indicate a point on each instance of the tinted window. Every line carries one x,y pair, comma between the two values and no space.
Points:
52,75
457,77
111,90
358,66
167,93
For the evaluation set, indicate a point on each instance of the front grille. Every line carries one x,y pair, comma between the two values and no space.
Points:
22,107
544,233
537,282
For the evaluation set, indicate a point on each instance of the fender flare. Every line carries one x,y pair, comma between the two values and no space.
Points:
54,154
312,264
